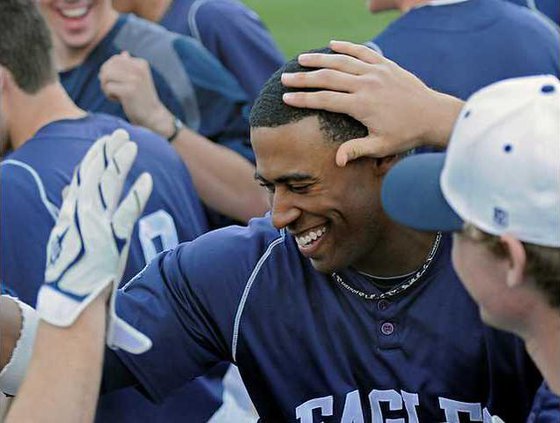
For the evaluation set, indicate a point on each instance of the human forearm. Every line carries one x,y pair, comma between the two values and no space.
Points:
223,179
74,353
442,115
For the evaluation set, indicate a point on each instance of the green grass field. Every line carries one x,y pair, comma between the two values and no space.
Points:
299,25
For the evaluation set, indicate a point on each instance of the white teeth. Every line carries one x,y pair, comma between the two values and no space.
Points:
310,237
74,13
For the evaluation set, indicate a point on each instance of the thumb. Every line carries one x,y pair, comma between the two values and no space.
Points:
370,146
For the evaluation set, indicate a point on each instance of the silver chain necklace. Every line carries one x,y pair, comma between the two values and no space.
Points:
401,287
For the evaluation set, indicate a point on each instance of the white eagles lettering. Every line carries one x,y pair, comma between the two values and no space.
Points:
404,402
304,412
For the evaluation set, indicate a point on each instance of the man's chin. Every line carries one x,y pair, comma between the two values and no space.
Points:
323,266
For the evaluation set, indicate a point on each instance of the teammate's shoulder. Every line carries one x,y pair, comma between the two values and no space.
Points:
142,37
530,22
24,189
225,8
235,246
546,406
143,28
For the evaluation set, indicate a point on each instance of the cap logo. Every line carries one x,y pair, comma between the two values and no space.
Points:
500,217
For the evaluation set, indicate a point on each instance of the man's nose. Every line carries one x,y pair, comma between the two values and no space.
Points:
284,209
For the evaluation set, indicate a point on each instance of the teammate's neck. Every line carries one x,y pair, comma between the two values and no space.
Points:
405,5
68,57
30,112
542,340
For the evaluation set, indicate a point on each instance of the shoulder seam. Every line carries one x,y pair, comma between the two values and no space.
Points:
248,286
191,18
51,208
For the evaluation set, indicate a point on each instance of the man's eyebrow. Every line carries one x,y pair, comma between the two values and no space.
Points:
284,179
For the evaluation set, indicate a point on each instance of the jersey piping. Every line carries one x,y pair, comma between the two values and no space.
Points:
51,208
191,19
248,286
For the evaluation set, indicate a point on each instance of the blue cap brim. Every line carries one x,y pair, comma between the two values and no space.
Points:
411,195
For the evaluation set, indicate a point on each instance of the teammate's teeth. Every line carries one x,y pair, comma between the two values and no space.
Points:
74,13
313,236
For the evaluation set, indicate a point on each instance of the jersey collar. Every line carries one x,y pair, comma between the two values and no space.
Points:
439,3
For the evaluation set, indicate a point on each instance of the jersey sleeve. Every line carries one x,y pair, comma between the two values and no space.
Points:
546,406
26,219
186,301
222,103
236,35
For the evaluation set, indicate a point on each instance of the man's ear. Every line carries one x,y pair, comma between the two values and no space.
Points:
517,260
384,164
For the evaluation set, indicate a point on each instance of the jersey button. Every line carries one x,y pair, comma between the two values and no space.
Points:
383,305
387,328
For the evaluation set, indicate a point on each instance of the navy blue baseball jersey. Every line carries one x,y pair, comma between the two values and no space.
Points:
233,33
461,46
546,407
32,178
190,82
310,349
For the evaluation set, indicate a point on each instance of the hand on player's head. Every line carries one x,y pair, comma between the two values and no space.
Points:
391,102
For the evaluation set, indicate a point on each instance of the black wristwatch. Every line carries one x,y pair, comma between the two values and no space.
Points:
177,126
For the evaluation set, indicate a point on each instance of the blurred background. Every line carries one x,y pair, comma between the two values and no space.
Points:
298,25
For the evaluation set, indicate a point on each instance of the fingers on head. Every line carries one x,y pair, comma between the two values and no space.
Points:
360,147
359,51
322,78
332,101
340,62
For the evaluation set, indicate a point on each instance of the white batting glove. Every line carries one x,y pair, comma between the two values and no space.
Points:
88,247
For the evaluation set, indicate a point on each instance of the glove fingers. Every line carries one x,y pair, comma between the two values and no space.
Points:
91,158
116,140
90,173
69,195
132,206
115,175
94,164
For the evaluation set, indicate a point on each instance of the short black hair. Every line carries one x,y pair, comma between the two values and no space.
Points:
26,45
270,110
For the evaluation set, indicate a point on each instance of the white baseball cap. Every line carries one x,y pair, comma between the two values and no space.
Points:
501,171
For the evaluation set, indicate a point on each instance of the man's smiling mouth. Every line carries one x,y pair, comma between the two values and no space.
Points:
311,237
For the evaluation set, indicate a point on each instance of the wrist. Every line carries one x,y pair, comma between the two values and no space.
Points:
162,123
443,113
